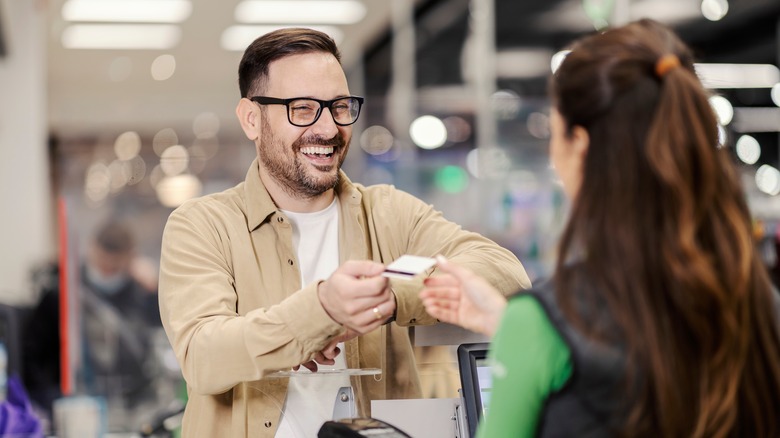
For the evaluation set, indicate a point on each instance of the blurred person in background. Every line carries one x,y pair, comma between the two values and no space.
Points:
283,271
660,319
118,315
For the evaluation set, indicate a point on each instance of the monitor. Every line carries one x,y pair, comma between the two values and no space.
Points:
476,382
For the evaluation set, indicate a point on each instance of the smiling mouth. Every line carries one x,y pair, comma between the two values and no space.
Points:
318,151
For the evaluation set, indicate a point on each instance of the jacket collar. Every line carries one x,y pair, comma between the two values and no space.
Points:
260,207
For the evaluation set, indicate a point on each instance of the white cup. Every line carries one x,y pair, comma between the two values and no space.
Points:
80,417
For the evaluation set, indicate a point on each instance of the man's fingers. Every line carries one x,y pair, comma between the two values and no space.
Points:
367,287
362,268
369,319
356,309
355,286
368,328
331,351
311,366
321,359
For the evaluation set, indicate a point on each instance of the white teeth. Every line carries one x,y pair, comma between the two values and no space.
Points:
322,150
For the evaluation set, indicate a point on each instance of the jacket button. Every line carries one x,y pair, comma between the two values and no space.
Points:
412,321
280,219
267,424
289,262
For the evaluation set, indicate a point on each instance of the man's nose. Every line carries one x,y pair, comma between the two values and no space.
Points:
325,126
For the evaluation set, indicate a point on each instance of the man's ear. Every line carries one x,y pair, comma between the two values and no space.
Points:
249,117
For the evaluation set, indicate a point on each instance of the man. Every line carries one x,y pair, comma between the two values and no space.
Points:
118,315
283,269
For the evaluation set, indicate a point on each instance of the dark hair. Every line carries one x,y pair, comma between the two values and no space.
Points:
663,234
253,69
115,237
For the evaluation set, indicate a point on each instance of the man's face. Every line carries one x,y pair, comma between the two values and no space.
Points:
303,161
107,263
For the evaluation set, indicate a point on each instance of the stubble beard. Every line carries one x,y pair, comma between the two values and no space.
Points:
290,171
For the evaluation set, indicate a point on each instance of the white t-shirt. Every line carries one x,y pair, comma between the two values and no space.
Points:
311,398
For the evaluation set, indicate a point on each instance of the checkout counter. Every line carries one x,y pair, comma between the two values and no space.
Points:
439,417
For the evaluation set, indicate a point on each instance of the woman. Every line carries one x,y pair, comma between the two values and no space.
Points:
659,319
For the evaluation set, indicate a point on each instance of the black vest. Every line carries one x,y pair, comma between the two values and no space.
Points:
588,405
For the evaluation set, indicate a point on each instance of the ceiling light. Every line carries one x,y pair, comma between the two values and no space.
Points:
522,62
127,145
757,119
666,11
723,109
486,161
768,180
238,37
138,11
121,36
428,132
163,67
748,149
775,94
738,75
172,191
300,11
557,59
714,10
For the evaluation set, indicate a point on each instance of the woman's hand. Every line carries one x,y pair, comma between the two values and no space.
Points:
461,297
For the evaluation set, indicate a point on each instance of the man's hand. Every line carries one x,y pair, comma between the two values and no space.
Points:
357,297
328,354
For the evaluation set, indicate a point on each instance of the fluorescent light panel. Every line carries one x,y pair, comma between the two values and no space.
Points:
121,36
127,11
300,11
756,119
523,62
666,11
238,37
722,76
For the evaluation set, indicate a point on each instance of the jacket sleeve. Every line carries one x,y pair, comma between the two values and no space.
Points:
428,233
216,347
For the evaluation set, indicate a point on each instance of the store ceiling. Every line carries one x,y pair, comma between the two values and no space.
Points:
104,92
88,98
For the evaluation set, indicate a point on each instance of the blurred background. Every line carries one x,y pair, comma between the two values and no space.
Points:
120,110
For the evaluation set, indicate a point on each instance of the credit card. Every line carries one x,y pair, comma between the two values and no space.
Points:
407,266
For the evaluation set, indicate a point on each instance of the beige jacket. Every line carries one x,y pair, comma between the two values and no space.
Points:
234,309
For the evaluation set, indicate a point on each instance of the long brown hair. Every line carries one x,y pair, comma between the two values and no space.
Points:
661,230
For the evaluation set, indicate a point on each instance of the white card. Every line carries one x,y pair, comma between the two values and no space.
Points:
407,266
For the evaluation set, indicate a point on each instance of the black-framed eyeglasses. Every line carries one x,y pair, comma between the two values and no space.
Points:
305,111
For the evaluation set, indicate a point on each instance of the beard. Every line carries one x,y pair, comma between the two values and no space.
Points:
290,171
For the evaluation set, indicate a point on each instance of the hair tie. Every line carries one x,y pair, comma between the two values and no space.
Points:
666,63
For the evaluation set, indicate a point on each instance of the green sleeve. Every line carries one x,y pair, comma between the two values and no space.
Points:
529,361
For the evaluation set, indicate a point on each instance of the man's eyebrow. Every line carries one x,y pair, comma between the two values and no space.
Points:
338,96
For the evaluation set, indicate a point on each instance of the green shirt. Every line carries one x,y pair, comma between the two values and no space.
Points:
529,361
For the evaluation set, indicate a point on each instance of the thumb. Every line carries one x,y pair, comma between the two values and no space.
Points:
331,351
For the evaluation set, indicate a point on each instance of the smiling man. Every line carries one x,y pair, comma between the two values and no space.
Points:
283,271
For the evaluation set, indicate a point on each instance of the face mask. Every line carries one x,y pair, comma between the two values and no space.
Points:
108,285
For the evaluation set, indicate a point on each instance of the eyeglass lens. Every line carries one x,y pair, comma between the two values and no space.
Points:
305,111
